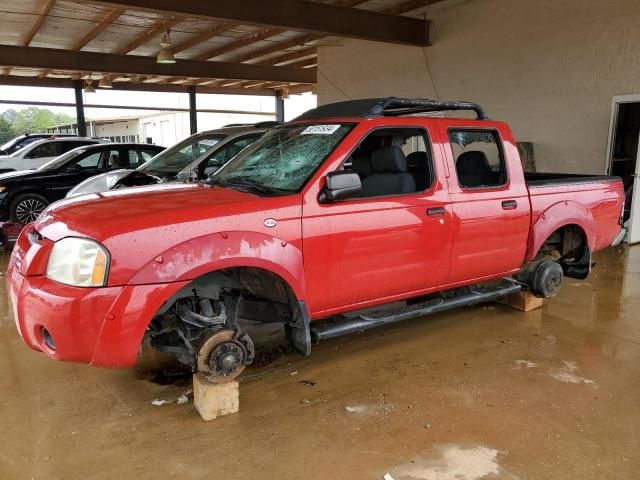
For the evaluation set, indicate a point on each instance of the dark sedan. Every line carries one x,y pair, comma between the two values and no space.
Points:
25,194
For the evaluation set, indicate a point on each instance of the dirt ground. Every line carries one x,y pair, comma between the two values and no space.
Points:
483,392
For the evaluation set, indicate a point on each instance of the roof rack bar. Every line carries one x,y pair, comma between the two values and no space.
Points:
391,106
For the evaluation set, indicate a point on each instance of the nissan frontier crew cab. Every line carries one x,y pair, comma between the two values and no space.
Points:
356,214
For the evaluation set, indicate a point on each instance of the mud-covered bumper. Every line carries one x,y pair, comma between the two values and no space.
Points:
101,326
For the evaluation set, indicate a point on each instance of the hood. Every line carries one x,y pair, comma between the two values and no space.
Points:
20,175
139,223
99,183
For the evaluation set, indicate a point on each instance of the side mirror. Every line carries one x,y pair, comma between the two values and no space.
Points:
341,185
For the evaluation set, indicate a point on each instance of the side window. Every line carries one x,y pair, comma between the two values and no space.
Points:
90,161
140,157
393,161
227,152
49,149
478,157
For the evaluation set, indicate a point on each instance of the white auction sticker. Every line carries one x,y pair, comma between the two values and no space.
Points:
320,130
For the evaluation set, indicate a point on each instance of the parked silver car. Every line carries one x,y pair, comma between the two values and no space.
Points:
195,158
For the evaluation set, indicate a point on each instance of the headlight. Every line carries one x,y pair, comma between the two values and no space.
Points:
2,188
78,262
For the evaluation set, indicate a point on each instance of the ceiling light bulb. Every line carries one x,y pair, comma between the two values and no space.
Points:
165,55
88,86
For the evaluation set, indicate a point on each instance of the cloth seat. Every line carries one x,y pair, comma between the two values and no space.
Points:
474,170
390,174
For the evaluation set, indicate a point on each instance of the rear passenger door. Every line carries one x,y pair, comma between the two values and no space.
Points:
383,243
490,205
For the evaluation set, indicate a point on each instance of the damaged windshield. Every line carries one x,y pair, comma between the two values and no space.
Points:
283,160
179,156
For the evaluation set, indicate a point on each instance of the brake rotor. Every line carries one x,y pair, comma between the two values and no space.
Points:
221,357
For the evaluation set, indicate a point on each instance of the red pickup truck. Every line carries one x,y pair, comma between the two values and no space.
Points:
356,214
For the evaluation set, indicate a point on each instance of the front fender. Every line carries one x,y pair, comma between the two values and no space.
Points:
560,215
208,253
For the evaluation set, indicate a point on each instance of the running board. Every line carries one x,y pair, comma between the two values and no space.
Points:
342,325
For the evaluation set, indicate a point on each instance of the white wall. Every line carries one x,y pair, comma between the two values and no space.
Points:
548,67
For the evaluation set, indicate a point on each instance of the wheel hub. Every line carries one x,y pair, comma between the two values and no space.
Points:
222,356
226,358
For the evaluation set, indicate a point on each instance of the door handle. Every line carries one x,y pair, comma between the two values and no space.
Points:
436,212
509,205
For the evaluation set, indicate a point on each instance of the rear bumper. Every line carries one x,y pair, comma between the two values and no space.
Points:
100,326
619,238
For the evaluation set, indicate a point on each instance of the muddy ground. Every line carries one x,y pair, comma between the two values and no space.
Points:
483,392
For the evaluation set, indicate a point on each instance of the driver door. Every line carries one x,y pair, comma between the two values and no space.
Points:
369,249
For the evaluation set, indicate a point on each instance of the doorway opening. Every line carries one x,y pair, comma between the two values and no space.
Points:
624,140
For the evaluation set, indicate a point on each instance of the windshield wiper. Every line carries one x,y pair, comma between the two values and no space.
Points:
248,185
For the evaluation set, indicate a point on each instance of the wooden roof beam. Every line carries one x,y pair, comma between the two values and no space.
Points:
304,15
50,58
203,36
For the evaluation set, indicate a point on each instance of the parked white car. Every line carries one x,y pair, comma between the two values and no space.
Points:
40,152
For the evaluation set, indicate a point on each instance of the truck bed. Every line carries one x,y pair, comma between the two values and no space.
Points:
598,197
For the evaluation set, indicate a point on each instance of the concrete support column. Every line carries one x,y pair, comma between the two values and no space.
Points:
193,114
80,120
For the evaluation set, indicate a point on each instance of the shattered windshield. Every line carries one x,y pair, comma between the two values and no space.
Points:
283,159
182,154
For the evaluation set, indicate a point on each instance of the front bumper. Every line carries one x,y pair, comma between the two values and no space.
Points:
101,326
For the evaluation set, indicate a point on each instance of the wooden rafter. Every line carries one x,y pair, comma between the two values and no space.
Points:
158,28
203,36
241,43
98,28
43,11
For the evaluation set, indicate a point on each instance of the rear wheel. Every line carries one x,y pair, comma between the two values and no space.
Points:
547,279
27,207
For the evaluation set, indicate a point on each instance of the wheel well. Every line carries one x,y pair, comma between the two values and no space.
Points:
257,286
568,246
248,293
28,191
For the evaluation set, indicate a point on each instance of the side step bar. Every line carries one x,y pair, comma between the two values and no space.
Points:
344,325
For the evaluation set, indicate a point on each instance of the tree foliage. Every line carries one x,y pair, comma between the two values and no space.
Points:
29,120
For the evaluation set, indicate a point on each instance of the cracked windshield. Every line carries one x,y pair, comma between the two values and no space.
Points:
283,160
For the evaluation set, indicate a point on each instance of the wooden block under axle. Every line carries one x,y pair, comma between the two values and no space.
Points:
213,400
523,301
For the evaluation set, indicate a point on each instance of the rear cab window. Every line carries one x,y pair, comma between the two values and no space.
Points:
478,157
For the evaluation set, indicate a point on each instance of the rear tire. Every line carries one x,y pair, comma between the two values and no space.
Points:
27,207
547,279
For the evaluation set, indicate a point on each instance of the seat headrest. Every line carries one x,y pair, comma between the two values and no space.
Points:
389,160
362,166
417,159
473,162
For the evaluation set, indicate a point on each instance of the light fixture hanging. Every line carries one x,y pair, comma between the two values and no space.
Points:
88,86
165,55
105,82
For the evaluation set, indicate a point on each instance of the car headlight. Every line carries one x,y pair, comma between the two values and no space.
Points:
78,262
2,188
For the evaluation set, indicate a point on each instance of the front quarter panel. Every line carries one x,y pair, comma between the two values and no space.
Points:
193,258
